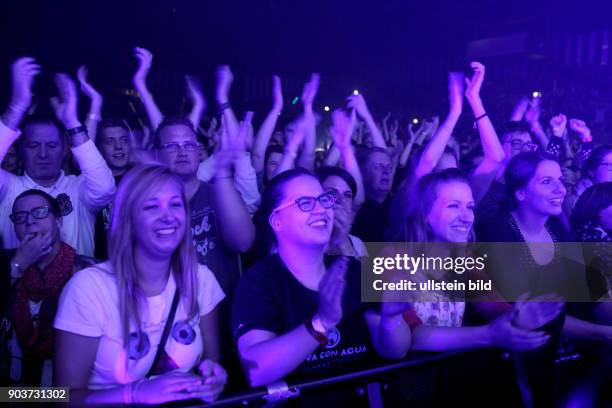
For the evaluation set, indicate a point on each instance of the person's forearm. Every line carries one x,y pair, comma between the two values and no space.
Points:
289,351
245,179
583,330
554,147
12,116
377,137
108,396
98,185
262,139
237,229
287,162
434,338
539,134
491,146
435,148
197,111
307,156
91,122
351,166
403,161
332,157
153,113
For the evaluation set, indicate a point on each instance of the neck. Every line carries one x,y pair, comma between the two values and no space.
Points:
45,261
45,182
152,272
118,171
378,195
529,221
305,263
192,184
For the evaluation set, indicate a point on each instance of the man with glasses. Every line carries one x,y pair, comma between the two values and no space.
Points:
43,148
39,269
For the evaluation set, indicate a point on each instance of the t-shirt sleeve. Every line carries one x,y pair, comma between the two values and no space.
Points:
80,311
209,291
255,306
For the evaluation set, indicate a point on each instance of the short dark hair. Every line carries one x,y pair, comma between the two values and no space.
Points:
36,119
54,206
591,202
172,121
326,171
521,169
363,155
514,127
110,123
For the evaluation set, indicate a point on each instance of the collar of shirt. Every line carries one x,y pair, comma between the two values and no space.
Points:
32,184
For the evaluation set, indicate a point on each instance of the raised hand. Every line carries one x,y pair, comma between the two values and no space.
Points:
232,144
456,82
532,115
343,220
331,289
580,127
473,85
224,83
519,110
558,124
66,106
33,248
358,103
277,94
145,60
310,90
168,387
213,381
88,89
23,72
342,129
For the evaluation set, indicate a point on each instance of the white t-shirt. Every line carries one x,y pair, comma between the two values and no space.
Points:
89,306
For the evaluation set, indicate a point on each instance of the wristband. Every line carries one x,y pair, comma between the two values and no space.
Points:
76,131
478,118
95,117
292,154
318,336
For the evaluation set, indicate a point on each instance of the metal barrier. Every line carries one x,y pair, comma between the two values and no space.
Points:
282,391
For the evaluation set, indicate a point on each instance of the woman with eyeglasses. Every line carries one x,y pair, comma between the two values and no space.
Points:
295,313
39,269
142,327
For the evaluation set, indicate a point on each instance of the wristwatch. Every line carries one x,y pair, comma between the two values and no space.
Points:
16,270
317,330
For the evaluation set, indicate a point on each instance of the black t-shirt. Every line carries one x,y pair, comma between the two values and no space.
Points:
269,297
372,220
101,229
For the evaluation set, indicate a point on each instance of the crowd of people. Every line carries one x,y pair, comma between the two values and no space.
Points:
198,255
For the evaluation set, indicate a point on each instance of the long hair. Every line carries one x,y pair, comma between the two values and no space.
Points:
417,228
589,205
133,190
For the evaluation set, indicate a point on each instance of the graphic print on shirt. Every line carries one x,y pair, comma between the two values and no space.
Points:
65,204
205,232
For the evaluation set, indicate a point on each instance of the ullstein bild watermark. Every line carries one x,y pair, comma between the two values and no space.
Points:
504,272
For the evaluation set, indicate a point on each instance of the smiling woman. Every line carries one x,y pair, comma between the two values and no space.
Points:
149,311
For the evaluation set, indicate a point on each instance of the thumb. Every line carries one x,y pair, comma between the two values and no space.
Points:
206,368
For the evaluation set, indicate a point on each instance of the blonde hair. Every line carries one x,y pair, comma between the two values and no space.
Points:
135,187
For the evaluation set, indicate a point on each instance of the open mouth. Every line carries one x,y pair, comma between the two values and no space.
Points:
164,232
319,223
556,201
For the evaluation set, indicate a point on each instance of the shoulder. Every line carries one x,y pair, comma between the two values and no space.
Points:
94,278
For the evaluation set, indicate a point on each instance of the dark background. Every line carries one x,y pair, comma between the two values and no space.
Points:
395,52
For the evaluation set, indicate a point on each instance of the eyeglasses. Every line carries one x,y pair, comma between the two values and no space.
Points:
39,213
519,145
347,195
307,204
608,165
174,147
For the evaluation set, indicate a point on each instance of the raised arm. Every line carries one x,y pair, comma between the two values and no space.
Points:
237,229
584,134
145,59
558,125
358,103
224,84
435,148
307,155
95,108
23,72
292,148
532,117
341,133
262,139
198,103
97,185
494,154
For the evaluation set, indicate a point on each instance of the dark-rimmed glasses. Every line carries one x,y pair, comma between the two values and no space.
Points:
307,204
39,213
